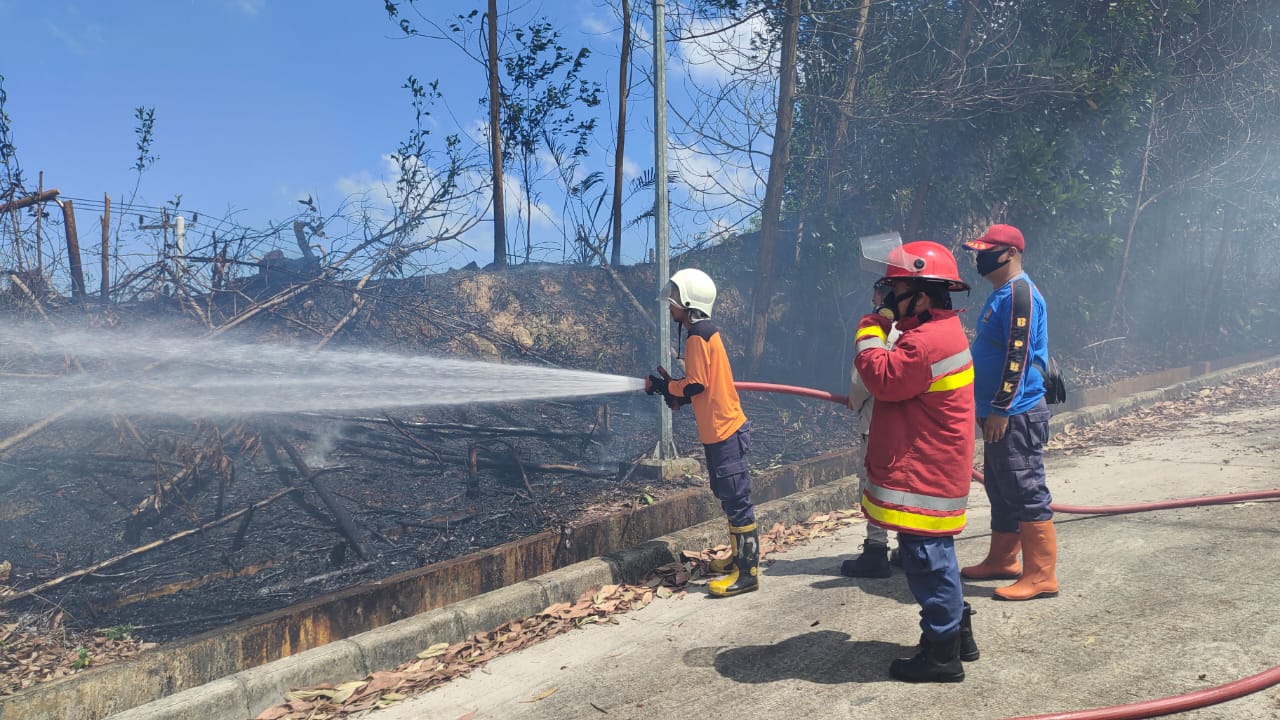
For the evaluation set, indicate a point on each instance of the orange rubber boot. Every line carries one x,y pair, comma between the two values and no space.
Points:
1001,562
1040,551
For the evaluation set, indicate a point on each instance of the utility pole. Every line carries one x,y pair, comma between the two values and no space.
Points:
105,294
666,449
39,217
179,227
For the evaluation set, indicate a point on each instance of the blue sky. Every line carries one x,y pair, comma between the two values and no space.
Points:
261,102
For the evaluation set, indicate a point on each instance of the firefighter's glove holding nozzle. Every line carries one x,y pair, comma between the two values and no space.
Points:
657,384
654,385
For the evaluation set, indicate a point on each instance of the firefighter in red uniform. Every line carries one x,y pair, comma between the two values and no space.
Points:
723,428
920,446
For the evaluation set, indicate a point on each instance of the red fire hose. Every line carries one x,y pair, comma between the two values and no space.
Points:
1132,711
792,390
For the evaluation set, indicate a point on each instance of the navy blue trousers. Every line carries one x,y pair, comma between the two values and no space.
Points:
933,574
1013,471
730,478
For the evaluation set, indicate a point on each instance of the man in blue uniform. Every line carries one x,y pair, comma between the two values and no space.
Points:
1011,343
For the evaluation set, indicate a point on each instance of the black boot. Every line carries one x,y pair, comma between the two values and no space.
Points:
935,661
968,646
872,563
744,574
895,558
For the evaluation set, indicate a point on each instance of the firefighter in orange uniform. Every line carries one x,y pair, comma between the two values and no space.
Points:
723,428
920,446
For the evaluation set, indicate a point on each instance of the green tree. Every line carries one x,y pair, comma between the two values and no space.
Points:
544,88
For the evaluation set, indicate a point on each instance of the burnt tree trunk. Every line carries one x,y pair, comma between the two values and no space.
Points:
779,159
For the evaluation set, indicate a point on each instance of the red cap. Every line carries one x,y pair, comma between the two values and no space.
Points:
997,235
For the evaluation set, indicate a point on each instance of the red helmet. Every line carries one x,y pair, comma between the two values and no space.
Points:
925,260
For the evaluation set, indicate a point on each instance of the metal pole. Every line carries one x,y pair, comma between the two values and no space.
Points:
105,283
666,449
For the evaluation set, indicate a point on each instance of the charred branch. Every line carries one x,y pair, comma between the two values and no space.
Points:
143,549
341,517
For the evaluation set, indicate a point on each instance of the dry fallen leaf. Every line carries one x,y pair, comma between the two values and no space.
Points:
542,695
434,650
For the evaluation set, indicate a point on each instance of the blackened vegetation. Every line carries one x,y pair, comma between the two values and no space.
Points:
176,526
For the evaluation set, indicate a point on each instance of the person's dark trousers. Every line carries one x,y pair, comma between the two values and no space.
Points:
1013,472
730,477
933,575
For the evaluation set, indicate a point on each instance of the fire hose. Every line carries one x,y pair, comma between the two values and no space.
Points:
1132,711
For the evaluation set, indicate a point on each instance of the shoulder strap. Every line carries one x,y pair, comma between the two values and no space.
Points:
1019,347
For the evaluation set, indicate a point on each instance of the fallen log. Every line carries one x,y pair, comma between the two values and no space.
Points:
341,517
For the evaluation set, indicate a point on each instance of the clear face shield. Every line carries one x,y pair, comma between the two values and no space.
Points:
880,253
883,251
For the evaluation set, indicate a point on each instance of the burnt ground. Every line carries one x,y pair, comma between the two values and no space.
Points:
71,507
376,494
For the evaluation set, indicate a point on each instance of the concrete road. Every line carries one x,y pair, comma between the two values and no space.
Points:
1152,604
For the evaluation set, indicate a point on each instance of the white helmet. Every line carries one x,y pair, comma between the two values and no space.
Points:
695,290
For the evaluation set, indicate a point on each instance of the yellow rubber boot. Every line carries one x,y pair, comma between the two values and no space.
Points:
744,573
724,564
1040,553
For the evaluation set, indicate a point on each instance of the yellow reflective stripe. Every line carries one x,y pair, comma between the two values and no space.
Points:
915,521
869,331
952,382
742,529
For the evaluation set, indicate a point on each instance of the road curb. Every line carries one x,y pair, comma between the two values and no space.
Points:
1095,414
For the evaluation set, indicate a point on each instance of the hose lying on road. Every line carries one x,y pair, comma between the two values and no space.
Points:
1133,711
1158,504
1172,704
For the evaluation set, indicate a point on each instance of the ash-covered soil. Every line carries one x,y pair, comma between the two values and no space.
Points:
404,480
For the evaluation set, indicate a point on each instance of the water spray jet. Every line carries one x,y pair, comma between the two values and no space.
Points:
143,374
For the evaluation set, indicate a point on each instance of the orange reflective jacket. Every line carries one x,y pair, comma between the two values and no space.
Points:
716,407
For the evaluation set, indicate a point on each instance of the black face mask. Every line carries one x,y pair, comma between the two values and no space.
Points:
989,261
889,305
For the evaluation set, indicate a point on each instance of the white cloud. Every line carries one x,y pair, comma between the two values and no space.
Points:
704,174
629,168
366,185
593,25
543,216
724,49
